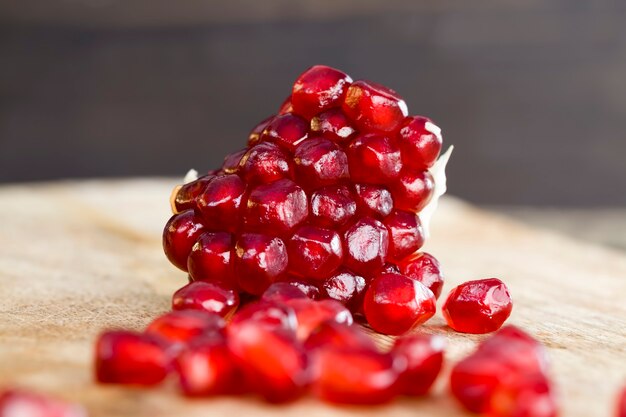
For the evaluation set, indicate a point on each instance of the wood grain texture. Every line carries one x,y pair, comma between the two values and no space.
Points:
79,257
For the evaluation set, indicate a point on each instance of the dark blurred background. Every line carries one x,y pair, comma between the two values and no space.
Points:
531,93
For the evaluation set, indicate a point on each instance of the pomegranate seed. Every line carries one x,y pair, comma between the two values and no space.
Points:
255,134
389,268
311,290
314,252
407,235
479,306
366,245
317,89
373,200
231,162
413,190
420,141
346,287
320,162
374,159
394,304
187,194
333,124
124,357
508,355
185,325
260,260
331,334
286,130
527,396
277,207
332,206
14,403
424,268
206,296
621,404
424,358
220,202
211,259
264,163
275,365
355,376
268,314
374,107
180,233
310,314
286,106
206,368
281,292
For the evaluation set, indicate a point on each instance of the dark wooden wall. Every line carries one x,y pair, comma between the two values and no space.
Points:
532,94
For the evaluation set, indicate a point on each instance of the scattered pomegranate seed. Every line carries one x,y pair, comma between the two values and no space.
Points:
264,163
346,287
621,404
277,207
206,296
211,259
394,303
413,190
274,363
314,252
221,201
310,314
406,233
331,334
320,162
185,325
260,260
527,396
332,206
180,233
125,357
366,245
333,125
374,159
19,403
281,292
374,107
424,358
424,268
317,89
420,141
207,368
187,195
255,134
269,314
374,201
286,130
479,306
231,162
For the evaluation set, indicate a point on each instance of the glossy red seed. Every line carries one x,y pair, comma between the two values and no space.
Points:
424,268
311,290
373,159
124,357
260,260
366,245
355,376
389,268
373,200
270,314
206,296
281,292
185,325
420,141
211,258
286,106
264,163
374,107
207,368
621,404
314,252
276,208
479,306
394,304
275,365
413,190
310,314
221,201
180,233
332,206
520,351
405,232
331,334
187,194
320,162
346,287
255,134
231,161
16,403
527,396
424,359
317,89
333,124
286,130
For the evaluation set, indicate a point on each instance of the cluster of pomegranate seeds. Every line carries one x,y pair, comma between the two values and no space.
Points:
326,195
20,403
505,377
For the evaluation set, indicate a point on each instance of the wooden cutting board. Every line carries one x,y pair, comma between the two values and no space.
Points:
78,257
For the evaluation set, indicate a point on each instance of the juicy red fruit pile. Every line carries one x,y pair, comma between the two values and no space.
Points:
327,194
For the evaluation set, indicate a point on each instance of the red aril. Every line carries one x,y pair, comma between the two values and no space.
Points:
424,359
185,325
424,268
206,296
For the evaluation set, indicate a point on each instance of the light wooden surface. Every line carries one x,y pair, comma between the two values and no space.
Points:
79,257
